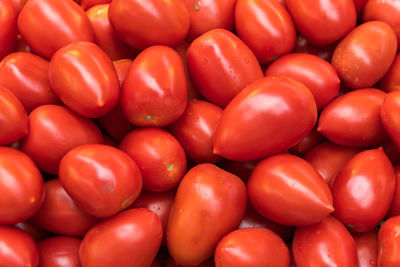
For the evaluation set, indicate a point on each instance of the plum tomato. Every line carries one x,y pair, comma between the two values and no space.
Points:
389,243
59,251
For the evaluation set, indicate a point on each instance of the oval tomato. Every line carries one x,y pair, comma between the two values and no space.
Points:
367,248
312,139
389,114
8,24
391,80
394,209
389,243
59,251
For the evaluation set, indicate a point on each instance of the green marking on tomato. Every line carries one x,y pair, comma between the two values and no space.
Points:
149,117
196,7
170,166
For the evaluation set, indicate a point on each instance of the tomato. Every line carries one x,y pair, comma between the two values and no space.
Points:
364,56
360,4
326,243
21,186
266,27
243,169
237,249
154,92
389,243
367,248
209,203
394,209
278,109
122,67
305,68
26,75
312,139
328,159
391,152
303,196
36,233
48,25
21,45
391,80
195,130
18,249
86,4
363,190
50,135
389,113
304,46
84,78
59,251
102,180
18,5
130,239
170,263
59,214
221,65
153,22
323,22
106,37
8,24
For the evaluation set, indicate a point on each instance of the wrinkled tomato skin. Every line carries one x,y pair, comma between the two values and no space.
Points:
312,139
84,78
48,25
394,209
129,239
391,80
195,226
326,243
389,113
248,121
168,20
221,65
59,214
389,243
195,130
26,76
59,251
367,248
377,43
51,136
363,190
170,263
8,24
353,119
266,27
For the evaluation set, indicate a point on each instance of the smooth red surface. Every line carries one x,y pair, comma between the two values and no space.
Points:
8,24
391,80
311,140
389,243
367,248
390,112
60,251
394,209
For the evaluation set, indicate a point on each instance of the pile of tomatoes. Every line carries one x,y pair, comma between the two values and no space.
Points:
227,133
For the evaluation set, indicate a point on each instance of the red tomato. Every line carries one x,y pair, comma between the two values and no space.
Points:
27,77
304,46
390,112
84,78
195,130
363,190
102,180
326,243
367,248
243,169
209,203
18,5
116,124
21,186
266,27
278,109
394,209
328,159
59,251
391,80
389,243
365,54
391,152
303,196
154,92
221,65
122,67
86,4
153,22
8,25
359,4
256,247
13,118
35,232
318,75
323,22
53,131
59,214
170,263
21,45
312,139
130,239
18,249
48,25
106,36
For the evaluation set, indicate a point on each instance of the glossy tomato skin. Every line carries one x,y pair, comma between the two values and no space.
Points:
275,108
101,179
195,226
266,27
305,68
195,130
8,24
59,251
84,78
389,243
326,243
130,239
48,25
377,43
154,92
50,135
389,113
363,190
122,67
367,248
221,65
26,76
353,119
18,248
145,23
13,118
329,158
323,22
391,80
59,214
303,196
394,209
